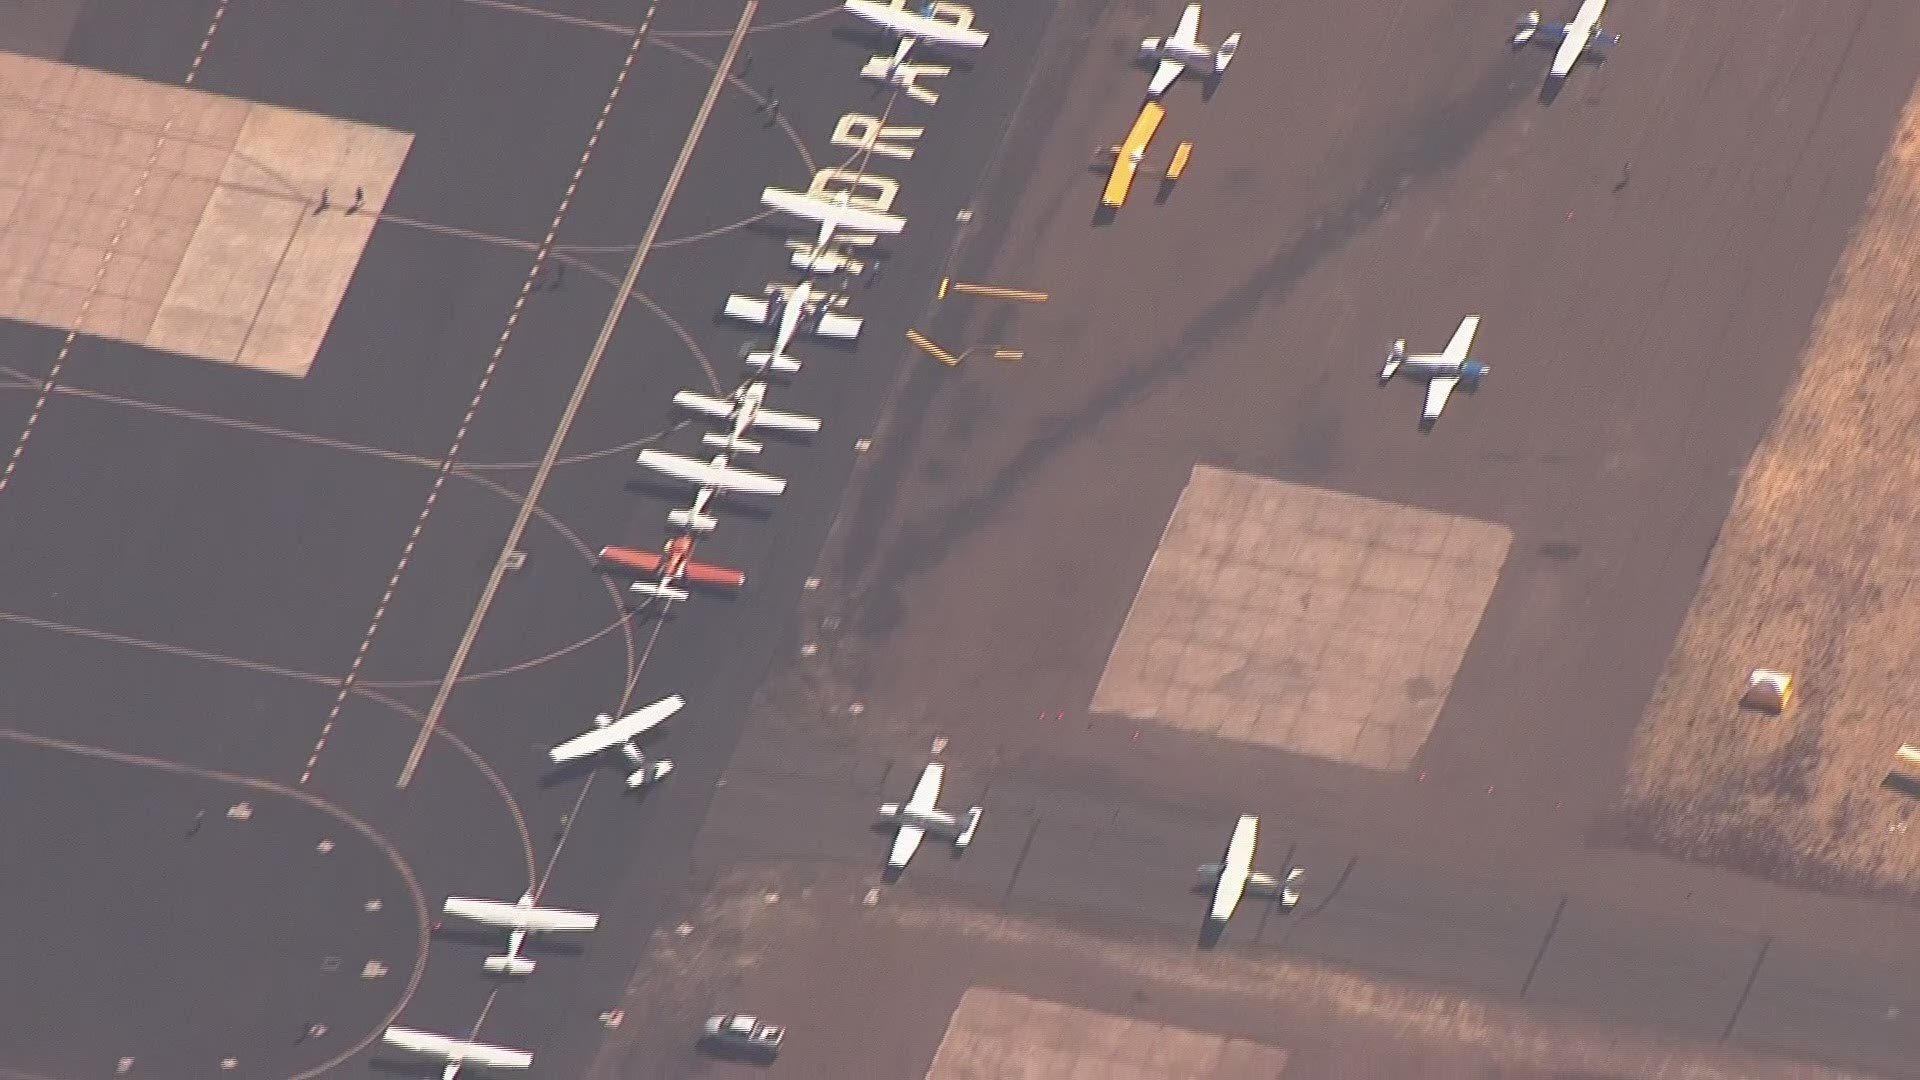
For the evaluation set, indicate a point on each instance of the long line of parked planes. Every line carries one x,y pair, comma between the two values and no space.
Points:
847,212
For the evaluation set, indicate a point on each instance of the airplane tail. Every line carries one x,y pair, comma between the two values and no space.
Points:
659,590
1209,874
648,773
1394,359
767,361
693,520
508,965
732,444
1150,49
1264,885
1473,371
1224,55
966,835
889,811
1524,30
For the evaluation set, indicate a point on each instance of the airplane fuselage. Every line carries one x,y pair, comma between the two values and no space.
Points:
1196,55
1433,365
934,821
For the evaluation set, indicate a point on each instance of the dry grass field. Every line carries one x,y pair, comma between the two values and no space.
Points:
1815,573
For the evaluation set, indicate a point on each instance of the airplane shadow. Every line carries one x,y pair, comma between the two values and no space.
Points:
1210,929
1550,90
1900,784
1166,192
463,933
421,1068
1103,215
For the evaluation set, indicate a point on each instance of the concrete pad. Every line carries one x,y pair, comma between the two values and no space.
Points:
180,220
996,1035
1313,621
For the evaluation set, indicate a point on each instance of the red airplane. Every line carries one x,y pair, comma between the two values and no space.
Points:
676,564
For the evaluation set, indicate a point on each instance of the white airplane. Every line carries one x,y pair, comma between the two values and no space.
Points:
716,474
833,214
1234,875
789,309
921,815
1581,37
695,518
608,733
743,409
1185,50
911,27
1443,371
521,919
457,1052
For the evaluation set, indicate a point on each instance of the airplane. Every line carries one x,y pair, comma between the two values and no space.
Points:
1125,159
674,564
456,1052
743,409
1185,50
921,816
522,918
1234,875
788,308
1443,371
911,27
1581,37
715,474
609,733
695,518
833,214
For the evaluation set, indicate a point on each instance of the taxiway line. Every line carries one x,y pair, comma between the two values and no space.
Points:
106,260
560,432
473,409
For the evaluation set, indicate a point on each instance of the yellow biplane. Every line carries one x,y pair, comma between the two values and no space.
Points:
1129,156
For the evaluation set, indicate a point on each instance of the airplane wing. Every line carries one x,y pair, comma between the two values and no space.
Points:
709,574
1438,388
1163,77
1462,340
457,1050
515,917
926,793
1235,868
753,309
640,562
904,844
842,327
785,421
919,26
627,727
701,403
1569,51
706,474
825,210
1188,32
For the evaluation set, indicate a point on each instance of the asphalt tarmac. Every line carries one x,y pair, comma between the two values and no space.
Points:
1363,173
201,554
193,590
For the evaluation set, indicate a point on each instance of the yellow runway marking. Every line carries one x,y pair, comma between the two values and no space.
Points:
998,292
938,353
1008,354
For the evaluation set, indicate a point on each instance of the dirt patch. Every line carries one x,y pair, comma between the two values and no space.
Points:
1814,573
